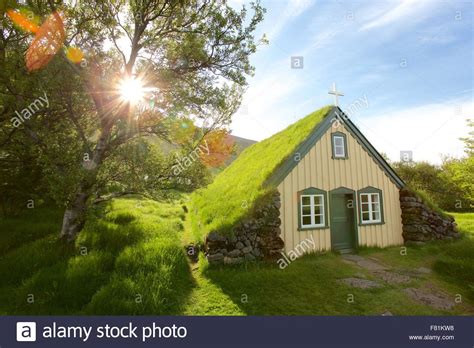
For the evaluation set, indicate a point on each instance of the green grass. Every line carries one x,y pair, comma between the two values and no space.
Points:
452,261
308,286
456,260
465,222
31,225
130,260
234,192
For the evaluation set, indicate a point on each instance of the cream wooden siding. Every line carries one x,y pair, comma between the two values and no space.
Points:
318,169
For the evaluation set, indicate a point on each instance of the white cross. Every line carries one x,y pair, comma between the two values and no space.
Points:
336,94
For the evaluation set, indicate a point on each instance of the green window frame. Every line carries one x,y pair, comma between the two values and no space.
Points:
312,209
370,204
339,145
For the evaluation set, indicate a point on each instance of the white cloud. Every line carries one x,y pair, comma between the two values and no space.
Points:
292,10
430,131
261,113
400,12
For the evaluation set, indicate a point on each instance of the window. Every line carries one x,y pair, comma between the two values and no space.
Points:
312,209
370,206
339,146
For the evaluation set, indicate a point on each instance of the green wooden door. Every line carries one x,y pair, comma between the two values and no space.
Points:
343,228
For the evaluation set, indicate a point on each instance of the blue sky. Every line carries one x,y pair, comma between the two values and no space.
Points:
410,61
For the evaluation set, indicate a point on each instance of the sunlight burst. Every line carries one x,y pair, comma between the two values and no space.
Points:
132,90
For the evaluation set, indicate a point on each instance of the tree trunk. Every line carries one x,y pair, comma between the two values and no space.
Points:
74,217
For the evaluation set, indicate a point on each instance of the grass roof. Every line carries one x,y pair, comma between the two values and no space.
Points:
235,191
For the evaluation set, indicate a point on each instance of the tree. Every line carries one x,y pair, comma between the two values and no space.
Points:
192,55
460,173
450,185
469,140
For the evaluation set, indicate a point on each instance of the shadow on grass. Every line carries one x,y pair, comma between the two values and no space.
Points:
127,260
311,286
306,287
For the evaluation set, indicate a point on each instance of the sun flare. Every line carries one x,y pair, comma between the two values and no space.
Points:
132,90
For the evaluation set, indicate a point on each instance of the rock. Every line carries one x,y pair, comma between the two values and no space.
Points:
414,243
423,270
233,260
392,277
247,249
353,258
371,265
360,283
387,314
215,258
421,223
249,257
213,237
216,237
256,237
234,253
431,298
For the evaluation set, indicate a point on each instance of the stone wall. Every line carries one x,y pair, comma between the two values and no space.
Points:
255,238
421,223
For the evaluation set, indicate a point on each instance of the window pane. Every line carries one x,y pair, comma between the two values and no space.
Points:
365,216
376,216
318,220
365,206
364,198
306,220
375,197
375,207
306,210
338,141
318,210
318,200
305,200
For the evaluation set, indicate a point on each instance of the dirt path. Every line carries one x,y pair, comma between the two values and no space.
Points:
427,295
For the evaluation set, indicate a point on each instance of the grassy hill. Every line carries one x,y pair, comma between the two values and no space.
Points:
241,145
234,192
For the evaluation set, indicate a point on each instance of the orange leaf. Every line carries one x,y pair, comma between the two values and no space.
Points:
20,20
48,41
220,146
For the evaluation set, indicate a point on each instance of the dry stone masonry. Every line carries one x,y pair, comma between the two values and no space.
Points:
421,223
255,238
